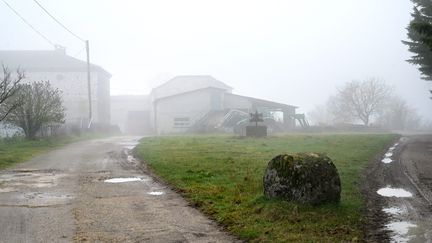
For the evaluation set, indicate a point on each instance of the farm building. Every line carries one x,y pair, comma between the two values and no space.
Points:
202,103
69,75
131,113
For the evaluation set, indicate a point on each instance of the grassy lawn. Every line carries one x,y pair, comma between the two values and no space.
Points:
17,150
222,176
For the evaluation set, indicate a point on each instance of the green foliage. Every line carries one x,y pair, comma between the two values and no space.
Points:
223,177
40,105
420,34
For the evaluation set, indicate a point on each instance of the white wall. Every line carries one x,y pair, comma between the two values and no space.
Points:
236,102
193,105
75,95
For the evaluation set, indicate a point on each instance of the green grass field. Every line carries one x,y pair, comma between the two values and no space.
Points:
222,176
18,150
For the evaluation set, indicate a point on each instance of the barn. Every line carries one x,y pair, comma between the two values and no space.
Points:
201,103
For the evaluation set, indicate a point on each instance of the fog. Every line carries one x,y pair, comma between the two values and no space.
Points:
292,52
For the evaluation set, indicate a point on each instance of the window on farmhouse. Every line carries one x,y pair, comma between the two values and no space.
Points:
181,121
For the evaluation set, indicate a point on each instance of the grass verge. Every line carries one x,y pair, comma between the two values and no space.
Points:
222,176
18,150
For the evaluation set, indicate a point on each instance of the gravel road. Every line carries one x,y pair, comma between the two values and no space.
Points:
398,189
75,194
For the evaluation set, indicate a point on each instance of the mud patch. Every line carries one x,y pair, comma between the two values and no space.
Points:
394,192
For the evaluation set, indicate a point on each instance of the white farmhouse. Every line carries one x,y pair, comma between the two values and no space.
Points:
69,75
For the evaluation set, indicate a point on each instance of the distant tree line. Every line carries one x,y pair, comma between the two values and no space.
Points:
29,106
370,102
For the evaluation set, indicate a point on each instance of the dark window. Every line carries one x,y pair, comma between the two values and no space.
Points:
181,121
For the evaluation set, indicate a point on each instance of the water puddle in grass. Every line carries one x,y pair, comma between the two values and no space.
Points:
394,192
400,231
156,193
121,180
388,154
387,160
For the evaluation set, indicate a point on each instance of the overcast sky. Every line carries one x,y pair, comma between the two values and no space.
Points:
294,52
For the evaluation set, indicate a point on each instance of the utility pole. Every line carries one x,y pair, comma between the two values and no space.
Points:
76,36
88,82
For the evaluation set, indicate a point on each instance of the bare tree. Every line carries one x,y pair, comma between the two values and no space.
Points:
9,86
398,115
320,116
359,100
40,105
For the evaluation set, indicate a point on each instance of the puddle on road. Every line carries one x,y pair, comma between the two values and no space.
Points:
394,192
121,180
128,145
393,211
8,189
387,156
42,199
35,179
130,159
156,193
400,231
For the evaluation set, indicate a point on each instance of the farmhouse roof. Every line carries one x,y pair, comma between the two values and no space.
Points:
188,83
261,102
44,60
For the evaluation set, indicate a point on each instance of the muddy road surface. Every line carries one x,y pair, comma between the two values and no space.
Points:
95,191
398,187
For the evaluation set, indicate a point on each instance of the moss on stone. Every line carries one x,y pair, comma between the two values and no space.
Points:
303,177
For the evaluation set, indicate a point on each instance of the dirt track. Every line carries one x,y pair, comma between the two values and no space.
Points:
62,197
401,217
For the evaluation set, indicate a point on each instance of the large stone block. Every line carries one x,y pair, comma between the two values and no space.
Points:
305,178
